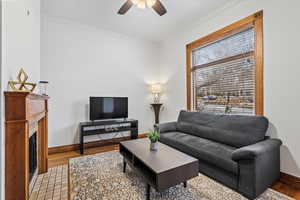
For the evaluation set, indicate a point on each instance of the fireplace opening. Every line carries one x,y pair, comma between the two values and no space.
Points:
32,155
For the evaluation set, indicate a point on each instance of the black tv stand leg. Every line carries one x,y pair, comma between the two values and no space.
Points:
148,192
81,144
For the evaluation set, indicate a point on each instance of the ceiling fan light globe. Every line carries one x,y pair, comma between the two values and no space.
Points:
157,6
150,3
141,4
135,2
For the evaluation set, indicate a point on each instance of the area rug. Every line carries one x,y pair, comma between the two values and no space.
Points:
100,177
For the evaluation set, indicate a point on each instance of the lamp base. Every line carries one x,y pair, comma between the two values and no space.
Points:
156,108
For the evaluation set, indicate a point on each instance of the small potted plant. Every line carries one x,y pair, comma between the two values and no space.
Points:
154,137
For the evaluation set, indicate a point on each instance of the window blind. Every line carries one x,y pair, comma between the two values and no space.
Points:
236,44
224,75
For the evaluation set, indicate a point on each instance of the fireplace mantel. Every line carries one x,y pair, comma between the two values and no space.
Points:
25,114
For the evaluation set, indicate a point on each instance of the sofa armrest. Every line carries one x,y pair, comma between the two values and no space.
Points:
259,167
252,151
166,127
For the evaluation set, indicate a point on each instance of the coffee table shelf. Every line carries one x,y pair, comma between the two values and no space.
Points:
139,166
162,169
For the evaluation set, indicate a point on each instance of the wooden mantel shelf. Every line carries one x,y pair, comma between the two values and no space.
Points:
25,94
25,114
16,104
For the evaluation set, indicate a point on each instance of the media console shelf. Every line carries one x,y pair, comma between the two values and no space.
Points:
105,127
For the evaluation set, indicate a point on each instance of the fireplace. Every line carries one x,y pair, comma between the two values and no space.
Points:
26,142
32,155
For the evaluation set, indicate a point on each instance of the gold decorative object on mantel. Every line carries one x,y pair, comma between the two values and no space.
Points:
21,85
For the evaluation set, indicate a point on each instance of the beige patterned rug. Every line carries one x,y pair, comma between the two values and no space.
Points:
100,177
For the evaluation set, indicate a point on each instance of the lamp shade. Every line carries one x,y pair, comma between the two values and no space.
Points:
156,88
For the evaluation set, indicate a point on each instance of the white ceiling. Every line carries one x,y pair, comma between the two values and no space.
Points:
145,24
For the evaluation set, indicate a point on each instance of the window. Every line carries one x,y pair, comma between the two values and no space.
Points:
224,69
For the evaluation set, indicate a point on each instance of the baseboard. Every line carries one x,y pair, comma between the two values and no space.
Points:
290,180
75,147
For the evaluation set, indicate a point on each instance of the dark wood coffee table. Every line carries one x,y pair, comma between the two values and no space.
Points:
162,169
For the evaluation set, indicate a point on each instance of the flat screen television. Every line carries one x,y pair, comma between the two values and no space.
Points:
108,108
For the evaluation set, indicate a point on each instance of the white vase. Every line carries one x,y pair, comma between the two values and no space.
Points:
154,146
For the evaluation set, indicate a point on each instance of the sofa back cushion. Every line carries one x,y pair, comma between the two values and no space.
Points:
233,130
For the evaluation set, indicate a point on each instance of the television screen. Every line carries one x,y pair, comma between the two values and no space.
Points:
108,108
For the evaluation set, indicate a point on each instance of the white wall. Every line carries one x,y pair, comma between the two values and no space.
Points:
281,82
81,61
21,39
20,47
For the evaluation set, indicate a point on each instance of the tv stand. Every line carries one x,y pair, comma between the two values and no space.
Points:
109,126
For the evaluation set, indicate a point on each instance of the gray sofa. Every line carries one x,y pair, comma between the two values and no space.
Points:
231,149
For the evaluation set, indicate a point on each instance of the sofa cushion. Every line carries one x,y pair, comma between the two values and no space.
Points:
233,130
203,149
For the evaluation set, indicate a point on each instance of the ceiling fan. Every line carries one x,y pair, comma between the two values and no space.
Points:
155,4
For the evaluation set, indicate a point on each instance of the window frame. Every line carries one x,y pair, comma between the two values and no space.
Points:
256,21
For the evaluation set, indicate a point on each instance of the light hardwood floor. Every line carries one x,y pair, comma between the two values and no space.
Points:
53,185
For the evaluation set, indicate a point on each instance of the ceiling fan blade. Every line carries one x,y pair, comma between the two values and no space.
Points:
126,6
159,8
